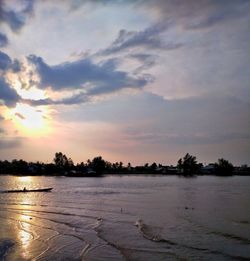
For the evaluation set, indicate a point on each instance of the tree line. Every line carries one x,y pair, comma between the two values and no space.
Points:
62,165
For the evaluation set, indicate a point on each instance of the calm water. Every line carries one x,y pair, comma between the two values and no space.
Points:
126,218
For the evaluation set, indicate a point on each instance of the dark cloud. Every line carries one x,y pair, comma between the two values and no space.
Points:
93,79
3,40
11,18
16,66
5,61
7,64
149,38
8,96
15,20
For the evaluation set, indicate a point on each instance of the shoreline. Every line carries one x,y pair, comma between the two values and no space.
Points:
124,174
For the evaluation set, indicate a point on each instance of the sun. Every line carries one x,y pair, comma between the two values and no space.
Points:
30,120
28,116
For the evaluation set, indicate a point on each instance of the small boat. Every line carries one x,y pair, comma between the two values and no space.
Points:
28,190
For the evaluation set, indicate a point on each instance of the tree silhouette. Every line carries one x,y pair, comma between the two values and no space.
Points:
188,165
60,159
224,167
153,166
98,164
63,164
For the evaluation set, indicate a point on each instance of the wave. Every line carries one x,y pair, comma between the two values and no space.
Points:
226,235
242,240
150,233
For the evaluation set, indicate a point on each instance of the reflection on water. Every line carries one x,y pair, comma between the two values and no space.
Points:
24,233
24,179
24,182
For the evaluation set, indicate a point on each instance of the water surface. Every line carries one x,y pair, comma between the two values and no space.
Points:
126,218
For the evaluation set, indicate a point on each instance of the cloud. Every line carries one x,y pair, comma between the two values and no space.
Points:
149,38
192,14
7,64
16,66
220,12
181,123
3,40
19,115
74,99
188,139
29,7
197,120
15,19
149,123
78,3
93,79
8,143
12,19
5,61
147,61
8,95
1,130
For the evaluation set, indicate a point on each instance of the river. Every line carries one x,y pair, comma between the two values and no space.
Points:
126,218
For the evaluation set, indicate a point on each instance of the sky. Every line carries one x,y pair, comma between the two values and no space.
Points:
131,80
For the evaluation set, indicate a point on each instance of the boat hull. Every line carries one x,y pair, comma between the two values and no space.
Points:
28,190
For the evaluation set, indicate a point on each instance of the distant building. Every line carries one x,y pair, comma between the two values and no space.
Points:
208,169
172,170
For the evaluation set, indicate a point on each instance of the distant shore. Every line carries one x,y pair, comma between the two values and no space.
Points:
83,175
64,166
